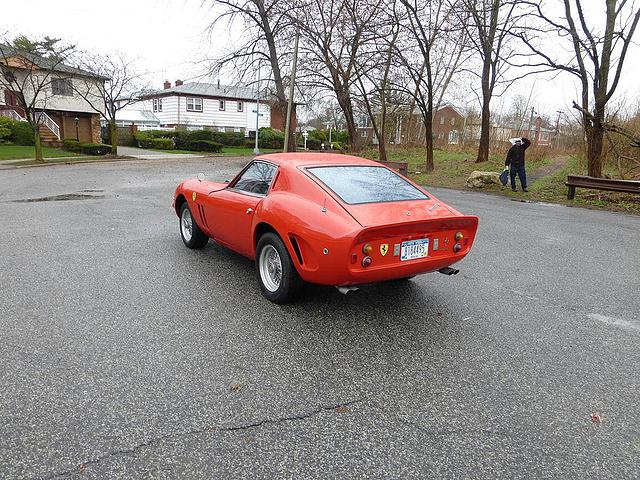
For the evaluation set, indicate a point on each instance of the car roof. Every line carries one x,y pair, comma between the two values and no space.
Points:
311,159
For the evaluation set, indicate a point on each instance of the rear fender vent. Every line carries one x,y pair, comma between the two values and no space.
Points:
296,248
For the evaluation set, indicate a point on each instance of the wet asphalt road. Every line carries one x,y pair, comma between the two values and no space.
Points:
125,355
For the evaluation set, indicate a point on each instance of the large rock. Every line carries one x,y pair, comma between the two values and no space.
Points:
479,179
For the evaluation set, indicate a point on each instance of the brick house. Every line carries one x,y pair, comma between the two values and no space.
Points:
63,113
448,125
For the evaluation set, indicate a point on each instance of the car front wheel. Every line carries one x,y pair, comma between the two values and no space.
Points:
279,280
191,234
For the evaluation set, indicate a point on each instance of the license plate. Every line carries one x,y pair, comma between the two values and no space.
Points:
414,249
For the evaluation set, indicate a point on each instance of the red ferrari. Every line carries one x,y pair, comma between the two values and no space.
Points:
324,218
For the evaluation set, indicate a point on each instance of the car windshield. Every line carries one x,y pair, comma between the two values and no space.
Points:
362,184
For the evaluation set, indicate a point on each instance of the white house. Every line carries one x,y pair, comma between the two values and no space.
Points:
63,112
204,105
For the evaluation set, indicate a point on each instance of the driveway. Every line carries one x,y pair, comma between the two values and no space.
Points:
126,355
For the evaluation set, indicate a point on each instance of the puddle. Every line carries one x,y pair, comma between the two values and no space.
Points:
62,198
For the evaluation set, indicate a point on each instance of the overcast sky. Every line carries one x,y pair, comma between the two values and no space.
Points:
170,39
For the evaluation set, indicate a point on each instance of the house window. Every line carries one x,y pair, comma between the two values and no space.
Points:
157,104
221,103
364,134
240,106
194,104
544,136
453,121
62,86
441,119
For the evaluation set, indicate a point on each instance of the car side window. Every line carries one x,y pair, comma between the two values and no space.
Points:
256,179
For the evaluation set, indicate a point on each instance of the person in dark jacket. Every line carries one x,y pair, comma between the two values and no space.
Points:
515,162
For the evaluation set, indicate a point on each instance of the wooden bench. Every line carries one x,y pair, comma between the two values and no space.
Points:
401,167
627,186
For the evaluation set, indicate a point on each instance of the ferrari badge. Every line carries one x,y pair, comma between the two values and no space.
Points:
384,248
193,196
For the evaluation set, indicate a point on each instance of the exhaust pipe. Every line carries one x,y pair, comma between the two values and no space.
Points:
449,271
347,290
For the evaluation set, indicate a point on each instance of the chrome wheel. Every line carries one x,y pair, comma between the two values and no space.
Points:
186,225
270,268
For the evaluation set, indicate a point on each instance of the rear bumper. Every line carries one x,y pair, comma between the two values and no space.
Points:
344,265
392,272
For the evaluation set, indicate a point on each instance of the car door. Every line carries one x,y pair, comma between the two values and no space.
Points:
235,206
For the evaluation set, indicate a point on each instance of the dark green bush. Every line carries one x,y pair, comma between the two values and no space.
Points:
250,143
5,129
270,138
186,139
205,146
313,144
71,144
21,133
95,148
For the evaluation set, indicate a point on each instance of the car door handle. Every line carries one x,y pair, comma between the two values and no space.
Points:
249,210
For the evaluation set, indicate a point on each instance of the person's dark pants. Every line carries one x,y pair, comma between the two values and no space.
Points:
522,175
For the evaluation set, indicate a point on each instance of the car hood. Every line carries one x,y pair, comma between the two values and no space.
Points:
392,213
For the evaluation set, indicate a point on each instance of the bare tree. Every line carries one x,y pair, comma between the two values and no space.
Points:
334,34
597,60
27,70
115,86
267,33
488,27
431,27
372,72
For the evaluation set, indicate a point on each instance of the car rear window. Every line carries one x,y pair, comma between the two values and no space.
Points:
363,184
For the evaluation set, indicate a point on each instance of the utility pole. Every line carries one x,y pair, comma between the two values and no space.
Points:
256,150
291,90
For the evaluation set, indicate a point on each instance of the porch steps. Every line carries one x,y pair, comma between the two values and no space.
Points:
47,137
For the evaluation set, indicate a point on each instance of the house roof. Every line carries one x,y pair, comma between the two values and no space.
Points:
451,107
7,51
206,90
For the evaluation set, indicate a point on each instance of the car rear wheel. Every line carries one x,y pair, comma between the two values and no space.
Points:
191,234
279,280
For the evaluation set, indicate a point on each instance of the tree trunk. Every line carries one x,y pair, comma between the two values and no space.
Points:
113,136
485,126
428,125
38,145
595,142
344,100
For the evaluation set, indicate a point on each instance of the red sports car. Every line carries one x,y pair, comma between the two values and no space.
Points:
324,218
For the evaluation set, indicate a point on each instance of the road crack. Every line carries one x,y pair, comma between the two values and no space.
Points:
233,428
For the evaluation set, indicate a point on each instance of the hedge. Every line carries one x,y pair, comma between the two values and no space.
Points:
184,139
5,129
71,144
157,143
205,146
18,133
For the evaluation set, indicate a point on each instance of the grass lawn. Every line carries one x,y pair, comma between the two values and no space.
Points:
11,152
453,168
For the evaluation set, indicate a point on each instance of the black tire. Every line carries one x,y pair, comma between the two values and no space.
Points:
290,282
198,238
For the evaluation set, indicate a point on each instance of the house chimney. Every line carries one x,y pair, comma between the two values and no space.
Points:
167,84
178,83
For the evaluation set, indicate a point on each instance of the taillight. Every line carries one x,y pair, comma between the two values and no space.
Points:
458,236
366,261
367,249
457,247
